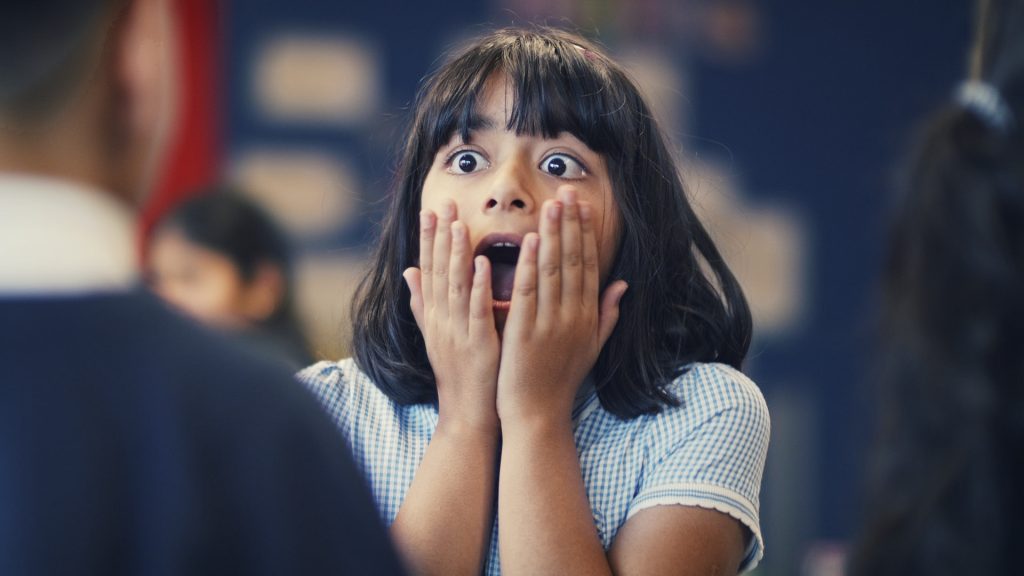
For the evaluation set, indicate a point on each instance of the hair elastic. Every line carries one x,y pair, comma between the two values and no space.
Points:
984,100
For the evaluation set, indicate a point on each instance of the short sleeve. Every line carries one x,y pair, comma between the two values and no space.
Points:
710,451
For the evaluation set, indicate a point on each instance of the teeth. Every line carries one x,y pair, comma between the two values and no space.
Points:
503,245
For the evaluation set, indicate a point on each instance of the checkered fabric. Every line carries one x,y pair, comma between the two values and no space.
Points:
709,451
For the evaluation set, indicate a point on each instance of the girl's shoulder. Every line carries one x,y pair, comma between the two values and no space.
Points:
717,396
710,397
341,387
715,385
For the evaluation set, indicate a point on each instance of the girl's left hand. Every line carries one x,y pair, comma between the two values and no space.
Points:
556,326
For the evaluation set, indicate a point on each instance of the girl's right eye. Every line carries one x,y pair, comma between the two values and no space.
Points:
466,162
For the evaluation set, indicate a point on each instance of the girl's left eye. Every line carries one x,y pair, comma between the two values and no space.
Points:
563,166
467,162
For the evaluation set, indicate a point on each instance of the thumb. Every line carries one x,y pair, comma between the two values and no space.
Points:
609,313
412,279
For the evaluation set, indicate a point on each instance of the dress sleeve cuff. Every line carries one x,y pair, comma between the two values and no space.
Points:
713,498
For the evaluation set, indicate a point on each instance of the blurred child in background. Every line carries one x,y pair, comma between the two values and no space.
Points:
221,259
950,460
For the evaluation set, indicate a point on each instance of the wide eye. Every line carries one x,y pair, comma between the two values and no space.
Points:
466,162
563,166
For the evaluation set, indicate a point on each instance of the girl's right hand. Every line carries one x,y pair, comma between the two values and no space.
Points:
453,308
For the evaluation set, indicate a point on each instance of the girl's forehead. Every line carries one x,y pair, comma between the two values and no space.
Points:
497,99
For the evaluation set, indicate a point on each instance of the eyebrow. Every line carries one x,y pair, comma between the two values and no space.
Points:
478,122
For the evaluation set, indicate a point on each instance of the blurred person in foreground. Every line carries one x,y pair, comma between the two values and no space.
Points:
947,496
221,259
132,442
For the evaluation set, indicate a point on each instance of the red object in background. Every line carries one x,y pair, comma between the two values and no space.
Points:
194,151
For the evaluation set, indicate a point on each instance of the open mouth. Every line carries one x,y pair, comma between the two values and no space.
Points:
502,250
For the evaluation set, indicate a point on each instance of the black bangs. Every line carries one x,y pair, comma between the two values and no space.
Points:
558,85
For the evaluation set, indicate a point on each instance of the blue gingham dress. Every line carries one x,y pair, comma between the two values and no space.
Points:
709,451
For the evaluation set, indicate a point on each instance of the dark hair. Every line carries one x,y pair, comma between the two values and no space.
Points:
683,304
945,494
45,46
224,221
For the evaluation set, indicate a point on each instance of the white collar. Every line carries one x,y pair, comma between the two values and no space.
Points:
62,237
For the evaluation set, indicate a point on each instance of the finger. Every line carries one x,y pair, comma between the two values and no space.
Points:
590,263
523,309
460,275
442,256
413,279
610,310
549,260
481,305
572,251
428,226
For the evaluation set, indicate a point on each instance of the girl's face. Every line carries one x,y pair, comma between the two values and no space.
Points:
498,181
200,282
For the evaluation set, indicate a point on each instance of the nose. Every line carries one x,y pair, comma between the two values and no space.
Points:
511,188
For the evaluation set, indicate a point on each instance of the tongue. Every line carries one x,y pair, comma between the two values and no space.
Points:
501,280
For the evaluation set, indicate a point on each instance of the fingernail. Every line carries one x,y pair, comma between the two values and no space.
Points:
532,241
481,263
424,219
570,195
448,209
555,210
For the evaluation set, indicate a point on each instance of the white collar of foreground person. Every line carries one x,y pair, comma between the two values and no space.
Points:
62,237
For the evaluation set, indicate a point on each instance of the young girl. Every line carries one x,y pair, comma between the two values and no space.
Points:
547,347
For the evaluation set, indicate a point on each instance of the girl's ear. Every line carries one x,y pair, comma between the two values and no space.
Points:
262,295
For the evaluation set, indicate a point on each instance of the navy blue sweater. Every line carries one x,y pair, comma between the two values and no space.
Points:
133,442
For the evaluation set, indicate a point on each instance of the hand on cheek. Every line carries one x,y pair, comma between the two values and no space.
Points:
558,320
452,307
